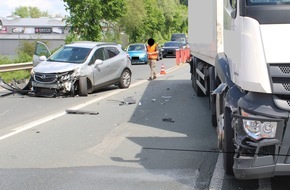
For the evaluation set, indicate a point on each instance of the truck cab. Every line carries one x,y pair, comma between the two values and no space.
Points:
241,62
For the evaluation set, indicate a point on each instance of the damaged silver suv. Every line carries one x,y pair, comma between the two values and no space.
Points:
79,68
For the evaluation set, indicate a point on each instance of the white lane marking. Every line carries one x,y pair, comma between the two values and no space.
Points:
54,116
59,114
216,182
32,124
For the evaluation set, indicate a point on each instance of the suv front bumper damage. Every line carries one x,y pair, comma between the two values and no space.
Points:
59,84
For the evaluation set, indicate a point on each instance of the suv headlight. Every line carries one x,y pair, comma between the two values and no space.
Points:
258,129
32,72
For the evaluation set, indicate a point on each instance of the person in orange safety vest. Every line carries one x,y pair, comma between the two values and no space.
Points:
152,57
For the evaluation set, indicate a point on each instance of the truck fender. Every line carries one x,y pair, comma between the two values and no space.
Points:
233,92
223,69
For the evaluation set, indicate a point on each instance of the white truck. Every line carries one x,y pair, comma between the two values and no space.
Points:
240,59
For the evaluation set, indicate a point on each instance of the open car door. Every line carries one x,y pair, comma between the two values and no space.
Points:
40,50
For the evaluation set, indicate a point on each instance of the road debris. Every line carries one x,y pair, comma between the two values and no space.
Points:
126,101
168,120
166,98
84,112
21,87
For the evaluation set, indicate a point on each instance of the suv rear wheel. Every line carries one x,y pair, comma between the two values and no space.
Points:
125,79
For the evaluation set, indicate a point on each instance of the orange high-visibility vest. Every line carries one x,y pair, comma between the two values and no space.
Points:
152,52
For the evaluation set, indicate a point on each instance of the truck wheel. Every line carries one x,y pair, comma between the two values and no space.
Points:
125,79
192,69
228,144
83,86
193,82
212,97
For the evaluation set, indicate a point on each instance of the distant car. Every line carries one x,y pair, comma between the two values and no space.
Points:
137,53
180,37
80,68
169,48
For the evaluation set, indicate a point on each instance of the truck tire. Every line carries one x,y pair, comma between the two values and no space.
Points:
228,144
83,86
192,69
212,97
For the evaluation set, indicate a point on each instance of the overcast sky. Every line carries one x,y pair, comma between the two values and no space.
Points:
53,7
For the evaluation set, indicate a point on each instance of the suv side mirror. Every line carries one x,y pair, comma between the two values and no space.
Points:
42,58
98,62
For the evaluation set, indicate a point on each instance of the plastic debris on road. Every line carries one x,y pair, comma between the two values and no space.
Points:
84,112
168,120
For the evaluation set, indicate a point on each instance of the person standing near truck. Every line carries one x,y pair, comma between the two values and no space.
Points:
152,57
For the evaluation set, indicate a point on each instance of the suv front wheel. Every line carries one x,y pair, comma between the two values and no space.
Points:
125,79
83,87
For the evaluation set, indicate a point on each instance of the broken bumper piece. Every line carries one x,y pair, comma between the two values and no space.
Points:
20,87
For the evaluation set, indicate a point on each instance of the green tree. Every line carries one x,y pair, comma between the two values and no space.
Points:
29,12
175,17
133,20
86,16
154,20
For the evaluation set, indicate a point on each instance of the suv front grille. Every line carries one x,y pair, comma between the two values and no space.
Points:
45,78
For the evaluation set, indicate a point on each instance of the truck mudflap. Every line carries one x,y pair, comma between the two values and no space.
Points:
261,157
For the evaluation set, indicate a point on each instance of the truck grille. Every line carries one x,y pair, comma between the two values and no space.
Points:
267,150
279,74
285,69
250,148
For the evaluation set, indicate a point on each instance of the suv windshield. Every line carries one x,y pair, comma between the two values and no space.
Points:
71,54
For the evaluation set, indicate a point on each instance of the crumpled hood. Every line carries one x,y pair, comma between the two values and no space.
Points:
54,67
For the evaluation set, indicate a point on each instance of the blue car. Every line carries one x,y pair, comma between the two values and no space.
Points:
137,52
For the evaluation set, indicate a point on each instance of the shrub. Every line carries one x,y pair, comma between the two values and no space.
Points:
5,60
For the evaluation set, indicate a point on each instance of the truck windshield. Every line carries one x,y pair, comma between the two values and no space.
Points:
267,2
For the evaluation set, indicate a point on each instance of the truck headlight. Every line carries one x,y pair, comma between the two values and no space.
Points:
258,129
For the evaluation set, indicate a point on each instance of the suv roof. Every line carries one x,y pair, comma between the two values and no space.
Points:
89,44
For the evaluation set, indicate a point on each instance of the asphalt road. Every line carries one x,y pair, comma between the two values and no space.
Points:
164,140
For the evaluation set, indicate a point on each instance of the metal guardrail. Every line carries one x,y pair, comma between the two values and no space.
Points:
16,67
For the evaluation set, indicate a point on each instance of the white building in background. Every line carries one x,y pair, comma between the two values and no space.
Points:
14,30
